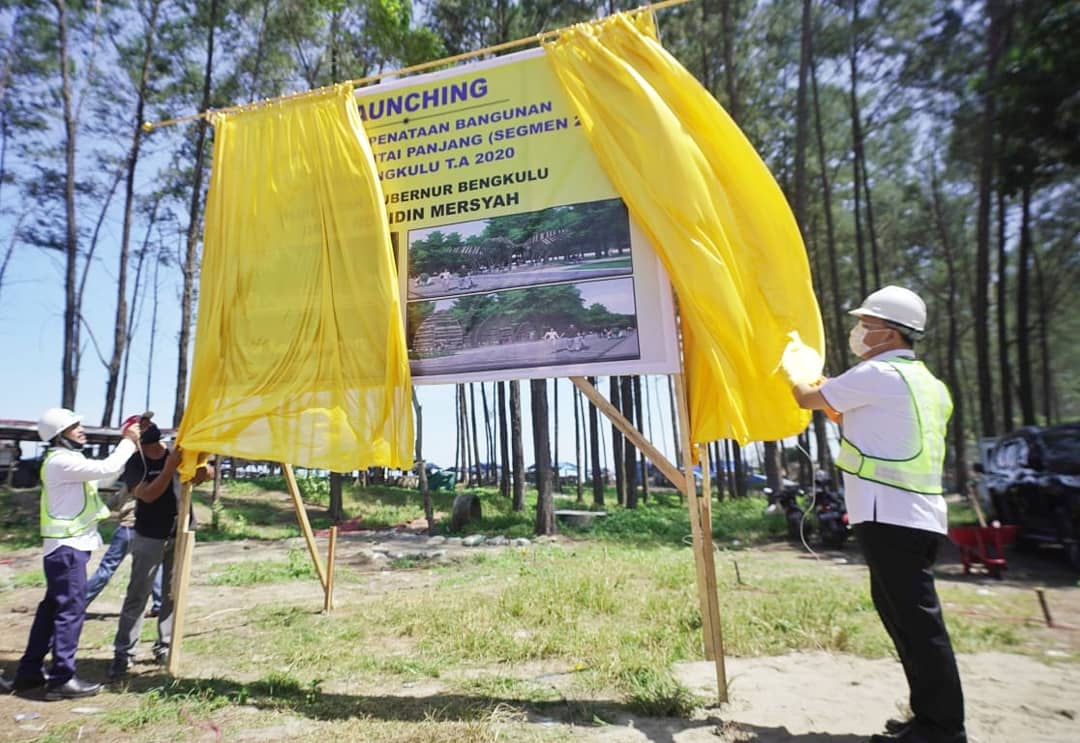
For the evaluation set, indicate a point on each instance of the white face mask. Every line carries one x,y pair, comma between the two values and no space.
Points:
857,340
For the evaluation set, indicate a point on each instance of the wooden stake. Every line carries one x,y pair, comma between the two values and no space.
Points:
703,550
627,429
703,558
305,525
1041,593
328,601
182,551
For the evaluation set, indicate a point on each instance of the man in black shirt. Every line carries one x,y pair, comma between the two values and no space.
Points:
151,479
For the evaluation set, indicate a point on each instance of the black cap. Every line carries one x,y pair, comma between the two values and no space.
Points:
151,434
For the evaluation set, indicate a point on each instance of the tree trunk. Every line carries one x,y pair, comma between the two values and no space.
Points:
555,443
136,305
72,312
336,511
516,445
982,227
836,345
856,143
772,466
643,467
1002,317
1044,343
187,303
578,463
545,502
504,443
120,327
674,419
1023,331
731,82
421,465
594,450
740,469
153,331
489,449
629,450
475,441
617,460
953,339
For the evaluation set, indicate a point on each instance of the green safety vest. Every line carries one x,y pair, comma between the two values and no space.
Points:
921,472
93,511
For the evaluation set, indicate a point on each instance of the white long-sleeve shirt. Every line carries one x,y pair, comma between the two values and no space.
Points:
63,478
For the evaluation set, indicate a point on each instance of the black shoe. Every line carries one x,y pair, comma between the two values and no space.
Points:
895,726
18,684
73,688
118,669
915,733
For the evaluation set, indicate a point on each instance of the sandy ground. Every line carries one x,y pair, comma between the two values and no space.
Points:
806,697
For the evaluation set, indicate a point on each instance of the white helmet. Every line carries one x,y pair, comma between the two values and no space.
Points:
54,421
895,305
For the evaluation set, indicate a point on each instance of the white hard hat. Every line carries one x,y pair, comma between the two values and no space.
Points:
54,421
897,305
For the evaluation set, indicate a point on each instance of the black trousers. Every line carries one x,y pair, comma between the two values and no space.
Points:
901,563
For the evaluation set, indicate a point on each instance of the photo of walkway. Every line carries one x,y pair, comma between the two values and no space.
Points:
487,280
555,245
535,353
571,324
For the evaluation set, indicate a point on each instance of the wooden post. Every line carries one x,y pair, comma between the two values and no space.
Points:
182,552
305,525
328,601
699,512
703,551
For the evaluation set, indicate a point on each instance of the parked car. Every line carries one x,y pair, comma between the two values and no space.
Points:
1032,478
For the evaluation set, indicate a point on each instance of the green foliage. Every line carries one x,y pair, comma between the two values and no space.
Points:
655,693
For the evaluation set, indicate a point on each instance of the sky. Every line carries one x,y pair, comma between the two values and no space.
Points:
31,336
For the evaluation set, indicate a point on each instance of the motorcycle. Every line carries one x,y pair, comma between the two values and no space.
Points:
794,515
831,515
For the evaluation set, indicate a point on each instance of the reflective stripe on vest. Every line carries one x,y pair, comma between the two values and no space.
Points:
920,473
93,511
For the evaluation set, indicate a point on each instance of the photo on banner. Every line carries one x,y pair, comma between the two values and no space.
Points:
521,259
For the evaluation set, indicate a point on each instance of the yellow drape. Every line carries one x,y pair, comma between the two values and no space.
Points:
299,348
714,214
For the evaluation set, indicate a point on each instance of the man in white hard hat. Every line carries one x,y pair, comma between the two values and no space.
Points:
894,414
70,512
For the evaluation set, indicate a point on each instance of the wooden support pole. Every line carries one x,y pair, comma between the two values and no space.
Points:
627,429
328,601
700,514
703,550
305,525
181,576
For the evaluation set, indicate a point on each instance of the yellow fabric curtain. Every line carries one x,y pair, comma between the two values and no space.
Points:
299,347
714,214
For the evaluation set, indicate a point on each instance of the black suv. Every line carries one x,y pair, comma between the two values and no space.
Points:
1033,480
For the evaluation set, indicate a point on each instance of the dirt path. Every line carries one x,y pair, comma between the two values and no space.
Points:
805,697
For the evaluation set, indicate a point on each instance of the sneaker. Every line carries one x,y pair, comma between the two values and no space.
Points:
73,688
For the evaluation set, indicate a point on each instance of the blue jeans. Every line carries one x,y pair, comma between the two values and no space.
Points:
110,561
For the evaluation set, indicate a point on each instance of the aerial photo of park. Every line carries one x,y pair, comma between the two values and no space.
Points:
576,242
555,325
